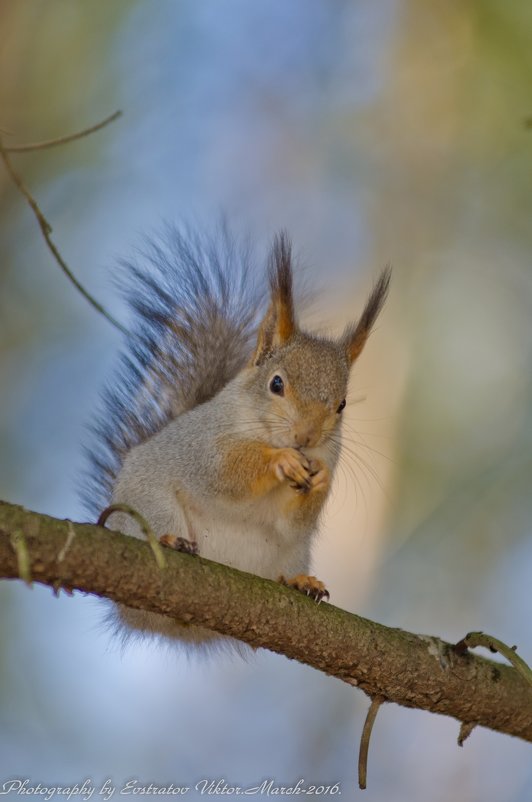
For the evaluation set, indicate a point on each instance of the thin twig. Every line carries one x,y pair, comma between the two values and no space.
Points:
62,140
376,702
46,230
145,528
473,639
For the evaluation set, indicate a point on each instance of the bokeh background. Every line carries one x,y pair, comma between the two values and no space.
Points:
396,130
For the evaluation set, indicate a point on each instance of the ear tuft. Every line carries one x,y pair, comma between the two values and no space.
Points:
280,275
356,335
279,324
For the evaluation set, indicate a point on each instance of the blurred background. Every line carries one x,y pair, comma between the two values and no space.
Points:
374,131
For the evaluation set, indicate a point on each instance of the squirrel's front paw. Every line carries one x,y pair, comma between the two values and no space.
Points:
307,584
320,476
287,463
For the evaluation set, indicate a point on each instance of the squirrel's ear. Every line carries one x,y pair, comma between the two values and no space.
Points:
355,336
279,324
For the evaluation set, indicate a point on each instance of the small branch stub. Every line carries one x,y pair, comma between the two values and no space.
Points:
145,528
473,639
466,728
18,541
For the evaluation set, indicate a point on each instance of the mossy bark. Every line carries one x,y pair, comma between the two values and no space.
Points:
412,670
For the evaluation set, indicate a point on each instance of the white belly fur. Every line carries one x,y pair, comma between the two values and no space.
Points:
259,548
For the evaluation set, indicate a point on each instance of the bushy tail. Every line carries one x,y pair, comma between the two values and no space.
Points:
196,307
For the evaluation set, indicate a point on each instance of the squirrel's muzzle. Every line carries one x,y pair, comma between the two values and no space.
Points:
307,435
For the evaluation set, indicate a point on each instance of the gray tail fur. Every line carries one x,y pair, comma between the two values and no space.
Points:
196,310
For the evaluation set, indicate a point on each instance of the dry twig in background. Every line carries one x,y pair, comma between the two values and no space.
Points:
44,225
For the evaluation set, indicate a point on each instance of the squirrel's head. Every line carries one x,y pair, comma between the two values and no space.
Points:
301,379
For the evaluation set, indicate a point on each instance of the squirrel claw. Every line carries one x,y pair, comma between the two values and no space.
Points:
179,544
308,585
301,488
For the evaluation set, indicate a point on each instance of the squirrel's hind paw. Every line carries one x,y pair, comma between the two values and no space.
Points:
179,544
307,584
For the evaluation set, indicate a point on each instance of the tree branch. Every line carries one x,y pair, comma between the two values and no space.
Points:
397,666
44,225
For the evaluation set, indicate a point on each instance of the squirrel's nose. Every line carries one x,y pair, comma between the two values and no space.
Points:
306,436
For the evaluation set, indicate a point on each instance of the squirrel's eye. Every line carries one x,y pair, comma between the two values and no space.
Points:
277,385
341,407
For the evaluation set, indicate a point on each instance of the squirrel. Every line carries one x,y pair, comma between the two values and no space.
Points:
223,426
